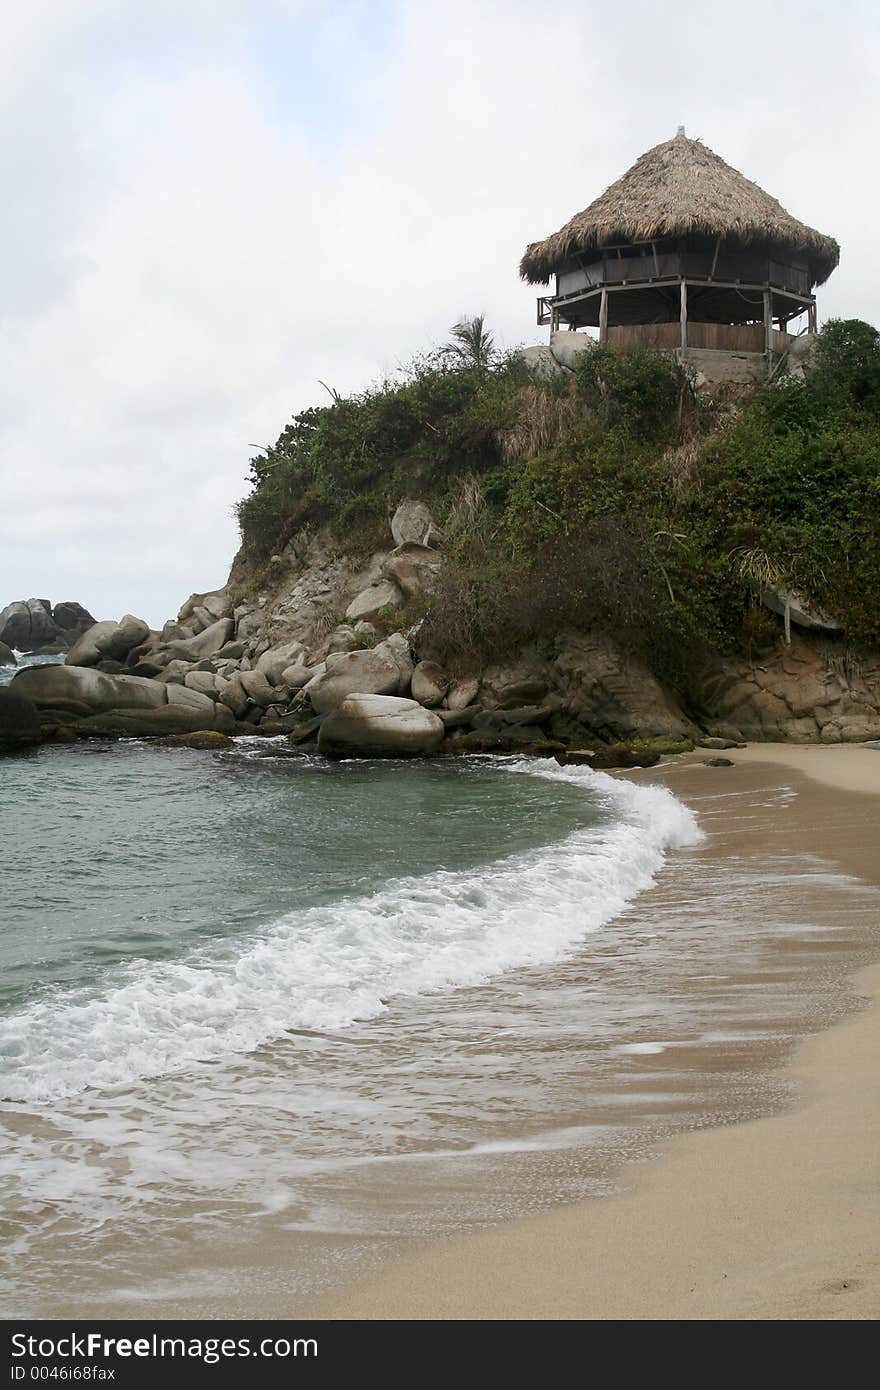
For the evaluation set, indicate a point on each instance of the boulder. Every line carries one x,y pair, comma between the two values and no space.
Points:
234,696
72,618
19,720
129,632
215,602
202,681
372,672
96,704
273,663
429,683
412,522
205,643
461,693
85,651
397,649
257,688
370,601
412,566
342,639
566,347
541,363
7,656
380,726
83,690
296,676
27,626
175,632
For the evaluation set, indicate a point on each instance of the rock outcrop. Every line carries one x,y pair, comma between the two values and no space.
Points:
811,692
32,625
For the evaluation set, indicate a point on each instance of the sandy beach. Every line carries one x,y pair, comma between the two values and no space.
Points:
776,1218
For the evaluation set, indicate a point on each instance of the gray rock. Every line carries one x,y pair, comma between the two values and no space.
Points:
370,601
85,650
176,632
72,617
27,626
459,718
296,676
411,522
711,742
429,683
342,639
257,688
19,720
380,726
203,681
411,567
84,690
235,697
375,672
129,632
462,693
206,643
273,662
216,602
720,762
7,656
566,347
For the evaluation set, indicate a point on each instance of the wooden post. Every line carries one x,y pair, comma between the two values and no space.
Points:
715,258
684,314
603,315
768,322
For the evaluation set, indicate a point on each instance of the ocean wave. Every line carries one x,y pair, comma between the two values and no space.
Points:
327,967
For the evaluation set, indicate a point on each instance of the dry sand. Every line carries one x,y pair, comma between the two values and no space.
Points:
778,1218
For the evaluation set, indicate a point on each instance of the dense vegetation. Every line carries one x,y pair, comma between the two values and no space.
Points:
614,499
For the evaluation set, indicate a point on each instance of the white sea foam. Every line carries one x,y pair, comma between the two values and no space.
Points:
325,968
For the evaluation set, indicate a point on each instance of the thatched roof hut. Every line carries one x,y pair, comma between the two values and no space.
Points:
683,252
676,189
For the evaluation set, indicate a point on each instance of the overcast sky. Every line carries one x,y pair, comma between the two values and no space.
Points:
211,205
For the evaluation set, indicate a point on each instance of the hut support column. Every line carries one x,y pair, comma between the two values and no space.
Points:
684,314
603,316
768,323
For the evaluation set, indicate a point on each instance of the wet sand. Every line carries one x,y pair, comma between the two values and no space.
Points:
774,1218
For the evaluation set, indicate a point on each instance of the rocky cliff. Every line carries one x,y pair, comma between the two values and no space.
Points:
317,653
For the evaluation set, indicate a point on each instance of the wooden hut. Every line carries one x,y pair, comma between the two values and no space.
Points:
683,252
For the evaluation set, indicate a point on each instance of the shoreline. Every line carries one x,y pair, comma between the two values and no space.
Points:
773,1218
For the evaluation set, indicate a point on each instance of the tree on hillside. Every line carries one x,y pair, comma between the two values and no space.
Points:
471,345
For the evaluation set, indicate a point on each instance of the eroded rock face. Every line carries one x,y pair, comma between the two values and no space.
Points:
614,694
809,693
380,726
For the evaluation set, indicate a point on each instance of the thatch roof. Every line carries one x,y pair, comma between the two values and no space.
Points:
677,188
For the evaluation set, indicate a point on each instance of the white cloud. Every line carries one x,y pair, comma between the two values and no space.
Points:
207,217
